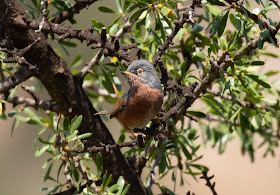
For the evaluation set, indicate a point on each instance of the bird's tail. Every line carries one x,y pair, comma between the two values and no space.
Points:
104,112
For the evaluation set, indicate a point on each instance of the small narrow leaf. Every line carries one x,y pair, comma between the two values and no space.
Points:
99,163
85,135
259,81
223,24
105,9
40,151
75,123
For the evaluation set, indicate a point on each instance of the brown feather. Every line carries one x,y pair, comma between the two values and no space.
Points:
119,106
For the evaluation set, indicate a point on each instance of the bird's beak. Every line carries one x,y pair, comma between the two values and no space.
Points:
127,73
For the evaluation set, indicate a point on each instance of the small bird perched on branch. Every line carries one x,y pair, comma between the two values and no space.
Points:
143,100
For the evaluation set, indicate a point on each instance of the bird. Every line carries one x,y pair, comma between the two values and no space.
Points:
144,99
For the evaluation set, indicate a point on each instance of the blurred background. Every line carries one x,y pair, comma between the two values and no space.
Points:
21,172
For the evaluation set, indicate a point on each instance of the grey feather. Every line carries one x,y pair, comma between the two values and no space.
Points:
149,75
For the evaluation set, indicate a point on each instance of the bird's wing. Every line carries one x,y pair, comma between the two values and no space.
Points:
119,106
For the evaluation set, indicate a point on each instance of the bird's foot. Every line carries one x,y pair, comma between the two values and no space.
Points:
157,121
139,136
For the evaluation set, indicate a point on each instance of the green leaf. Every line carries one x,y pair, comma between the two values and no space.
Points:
68,43
155,35
40,151
75,123
119,5
66,124
162,164
216,2
196,113
136,14
125,189
143,15
185,151
271,7
76,62
99,164
200,167
257,63
12,113
107,83
198,56
121,138
85,135
120,184
59,169
11,95
235,114
108,180
33,116
113,188
214,10
97,25
259,81
44,141
223,24
76,174
105,9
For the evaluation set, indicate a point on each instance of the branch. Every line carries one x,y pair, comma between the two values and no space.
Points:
69,13
22,74
69,183
76,160
231,99
82,35
208,183
187,17
31,91
66,90
45,105
126,27
249,14
104,147
151,179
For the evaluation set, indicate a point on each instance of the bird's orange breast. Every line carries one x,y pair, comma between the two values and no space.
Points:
143,104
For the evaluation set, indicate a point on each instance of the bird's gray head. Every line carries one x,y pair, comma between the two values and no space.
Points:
144,71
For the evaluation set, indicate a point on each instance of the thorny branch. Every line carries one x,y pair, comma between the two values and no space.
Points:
76,160
22,74
70,12
114,50
114,39
45,105
187,17
82,35
208,182
104,147
153,172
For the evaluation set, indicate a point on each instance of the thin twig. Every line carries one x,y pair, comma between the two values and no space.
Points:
125,28
76,160
105,148
186,18
208,182
70,12
45,105
22,74
152,176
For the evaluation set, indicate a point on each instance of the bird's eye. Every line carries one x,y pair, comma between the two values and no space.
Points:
139,71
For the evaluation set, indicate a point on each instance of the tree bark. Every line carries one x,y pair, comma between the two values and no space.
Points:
65,89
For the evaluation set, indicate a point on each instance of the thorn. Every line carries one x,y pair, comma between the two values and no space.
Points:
103,36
